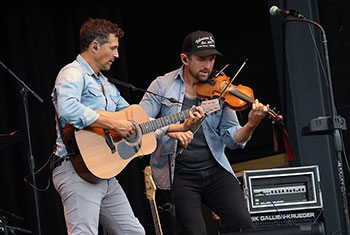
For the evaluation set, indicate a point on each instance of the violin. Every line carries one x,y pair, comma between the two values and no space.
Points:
237,97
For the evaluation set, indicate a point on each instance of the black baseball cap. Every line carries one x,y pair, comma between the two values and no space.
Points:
201,43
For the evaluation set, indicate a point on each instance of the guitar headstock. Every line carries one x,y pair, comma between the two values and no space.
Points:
149,183
210,106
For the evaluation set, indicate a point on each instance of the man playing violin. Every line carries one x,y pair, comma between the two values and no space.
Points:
201,172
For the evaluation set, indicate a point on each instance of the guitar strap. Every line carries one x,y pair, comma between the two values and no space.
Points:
103,92
58,124
53,157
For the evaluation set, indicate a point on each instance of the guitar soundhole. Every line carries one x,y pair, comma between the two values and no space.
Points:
128,147
135,138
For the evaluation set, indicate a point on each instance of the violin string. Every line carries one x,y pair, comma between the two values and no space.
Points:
234,91
245,97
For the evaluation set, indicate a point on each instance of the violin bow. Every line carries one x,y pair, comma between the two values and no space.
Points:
234,77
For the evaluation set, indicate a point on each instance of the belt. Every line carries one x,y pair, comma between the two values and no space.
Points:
58,160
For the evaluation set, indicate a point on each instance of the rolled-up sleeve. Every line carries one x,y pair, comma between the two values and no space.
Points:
67,94
149,102
228,129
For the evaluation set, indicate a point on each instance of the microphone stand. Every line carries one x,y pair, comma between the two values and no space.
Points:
23,91
336,122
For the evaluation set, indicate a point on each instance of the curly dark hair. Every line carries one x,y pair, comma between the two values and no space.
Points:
99,30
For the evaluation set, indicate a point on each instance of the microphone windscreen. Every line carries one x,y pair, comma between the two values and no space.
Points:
273,11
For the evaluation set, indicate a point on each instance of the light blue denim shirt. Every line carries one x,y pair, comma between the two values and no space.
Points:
219,128
77,93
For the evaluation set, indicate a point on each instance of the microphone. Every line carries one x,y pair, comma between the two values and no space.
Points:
275,11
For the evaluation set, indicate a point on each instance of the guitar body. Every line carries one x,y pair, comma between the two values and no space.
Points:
102,154
94,159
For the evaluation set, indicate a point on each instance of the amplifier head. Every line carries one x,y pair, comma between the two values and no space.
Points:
282,189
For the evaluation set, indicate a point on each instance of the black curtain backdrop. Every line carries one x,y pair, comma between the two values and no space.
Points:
37,40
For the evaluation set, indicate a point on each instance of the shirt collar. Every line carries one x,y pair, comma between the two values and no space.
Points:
180,73
86,66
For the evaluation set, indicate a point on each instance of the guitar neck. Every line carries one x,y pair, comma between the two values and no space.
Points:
155,217
155,124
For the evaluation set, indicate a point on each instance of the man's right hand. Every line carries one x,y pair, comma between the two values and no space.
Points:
123,128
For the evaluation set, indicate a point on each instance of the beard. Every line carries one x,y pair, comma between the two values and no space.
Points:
198,76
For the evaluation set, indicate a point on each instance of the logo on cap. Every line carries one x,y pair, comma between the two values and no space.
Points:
205,42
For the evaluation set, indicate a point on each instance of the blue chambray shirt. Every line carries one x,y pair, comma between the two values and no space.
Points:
77,93
219,128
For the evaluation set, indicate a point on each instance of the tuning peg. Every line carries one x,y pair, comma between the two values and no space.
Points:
272,111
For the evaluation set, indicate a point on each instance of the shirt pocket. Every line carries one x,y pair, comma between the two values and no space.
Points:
168,107
94,92
94,98
214,119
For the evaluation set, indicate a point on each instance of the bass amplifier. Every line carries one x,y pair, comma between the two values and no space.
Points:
283,189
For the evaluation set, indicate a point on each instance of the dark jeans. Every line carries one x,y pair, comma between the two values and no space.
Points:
216,188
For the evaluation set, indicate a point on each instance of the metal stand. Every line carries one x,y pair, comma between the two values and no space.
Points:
172,203
6,228
333,124
23,91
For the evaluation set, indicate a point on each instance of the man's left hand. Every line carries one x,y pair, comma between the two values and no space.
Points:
257,113
194,119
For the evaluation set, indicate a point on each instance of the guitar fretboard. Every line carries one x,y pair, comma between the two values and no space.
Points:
153,125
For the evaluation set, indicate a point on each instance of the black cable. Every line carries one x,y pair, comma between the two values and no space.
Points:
318,52
319,214
128,85
274,206
36,172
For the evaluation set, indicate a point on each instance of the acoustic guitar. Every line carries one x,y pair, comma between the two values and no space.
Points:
151,196
98,153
